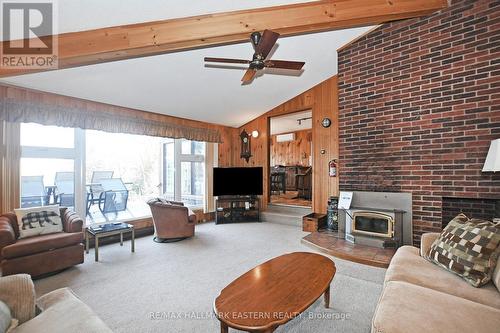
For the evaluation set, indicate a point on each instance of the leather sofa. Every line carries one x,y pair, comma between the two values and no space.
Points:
42,254
419,296
172,220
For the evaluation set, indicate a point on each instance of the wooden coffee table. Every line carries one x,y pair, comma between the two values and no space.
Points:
274,292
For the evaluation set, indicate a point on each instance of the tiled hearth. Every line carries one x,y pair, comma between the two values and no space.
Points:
328,242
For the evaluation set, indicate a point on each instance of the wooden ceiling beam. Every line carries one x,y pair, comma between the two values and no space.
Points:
152,38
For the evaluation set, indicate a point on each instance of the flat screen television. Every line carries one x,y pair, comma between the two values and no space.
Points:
238,181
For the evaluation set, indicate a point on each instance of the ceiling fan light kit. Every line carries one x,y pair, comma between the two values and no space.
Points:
263,44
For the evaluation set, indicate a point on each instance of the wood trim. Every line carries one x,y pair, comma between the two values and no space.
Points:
325,144
10,157
152,38
357,38
209,205
141,223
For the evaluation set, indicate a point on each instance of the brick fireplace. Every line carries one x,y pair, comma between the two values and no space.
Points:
479,208
419,103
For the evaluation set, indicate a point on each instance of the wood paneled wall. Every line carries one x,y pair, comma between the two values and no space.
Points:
325,143
12,92
294,152
323,100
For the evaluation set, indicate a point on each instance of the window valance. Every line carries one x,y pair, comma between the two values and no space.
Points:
108,119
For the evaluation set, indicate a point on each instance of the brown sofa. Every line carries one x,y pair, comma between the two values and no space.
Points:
42,254
419,296
172,220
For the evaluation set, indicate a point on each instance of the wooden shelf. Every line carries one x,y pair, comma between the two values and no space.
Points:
329,243
233,210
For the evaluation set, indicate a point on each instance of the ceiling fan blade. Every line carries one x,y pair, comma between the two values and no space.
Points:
249,75
295,65
227,61
266,43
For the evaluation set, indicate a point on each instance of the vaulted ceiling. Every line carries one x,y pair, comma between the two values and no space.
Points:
178,83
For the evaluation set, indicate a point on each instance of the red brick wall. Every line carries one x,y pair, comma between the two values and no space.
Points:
479,208
419,102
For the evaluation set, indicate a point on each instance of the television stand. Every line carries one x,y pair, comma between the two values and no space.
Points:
235,209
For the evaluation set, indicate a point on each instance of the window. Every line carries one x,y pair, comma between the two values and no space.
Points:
48,165
133,163
46,181
35,135
108,176
187,185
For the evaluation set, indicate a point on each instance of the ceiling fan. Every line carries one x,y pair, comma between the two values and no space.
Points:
263,44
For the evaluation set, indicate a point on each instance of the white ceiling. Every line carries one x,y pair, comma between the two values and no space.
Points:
179,84
288,123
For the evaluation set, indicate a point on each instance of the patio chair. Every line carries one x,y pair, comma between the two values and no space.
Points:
114,196
65,188
33,192
94,189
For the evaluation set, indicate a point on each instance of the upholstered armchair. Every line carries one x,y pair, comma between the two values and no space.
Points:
39,255
172,220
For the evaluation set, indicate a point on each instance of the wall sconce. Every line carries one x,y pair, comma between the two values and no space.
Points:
255,134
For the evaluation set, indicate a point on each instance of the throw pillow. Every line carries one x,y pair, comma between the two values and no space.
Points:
468,248
36,221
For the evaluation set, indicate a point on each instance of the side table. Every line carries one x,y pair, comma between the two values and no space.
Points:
106,230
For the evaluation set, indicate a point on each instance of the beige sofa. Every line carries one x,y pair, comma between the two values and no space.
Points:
61,310
419,296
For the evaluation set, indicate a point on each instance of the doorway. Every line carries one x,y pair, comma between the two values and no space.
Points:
290,157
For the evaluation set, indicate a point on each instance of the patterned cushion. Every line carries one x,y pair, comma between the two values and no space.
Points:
36,221
468,248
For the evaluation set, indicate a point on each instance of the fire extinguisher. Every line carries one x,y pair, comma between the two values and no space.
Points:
332,168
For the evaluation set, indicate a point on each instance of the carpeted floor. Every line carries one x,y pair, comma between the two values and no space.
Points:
171,287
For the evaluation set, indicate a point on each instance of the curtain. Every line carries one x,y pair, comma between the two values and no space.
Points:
10,160
105,119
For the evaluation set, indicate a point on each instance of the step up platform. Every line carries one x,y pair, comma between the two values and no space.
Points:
289,215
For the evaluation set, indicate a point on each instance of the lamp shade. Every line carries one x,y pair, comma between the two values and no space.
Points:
492,162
